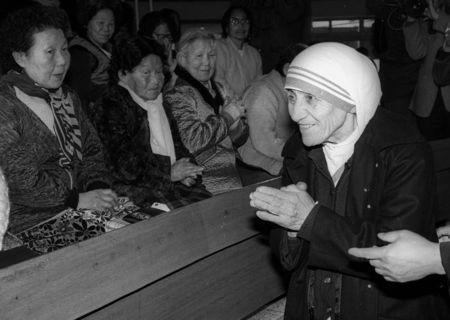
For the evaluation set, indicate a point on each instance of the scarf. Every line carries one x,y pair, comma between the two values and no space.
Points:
65,124
161,140
343,77
215,102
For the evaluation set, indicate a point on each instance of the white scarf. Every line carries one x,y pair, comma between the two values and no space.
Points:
161,140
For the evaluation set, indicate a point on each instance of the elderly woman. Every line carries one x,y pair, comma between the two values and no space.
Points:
91,53
207,115
354,171
149,162
238,63
268,117
50,154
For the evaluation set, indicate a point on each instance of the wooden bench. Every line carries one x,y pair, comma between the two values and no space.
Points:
204,261
209,260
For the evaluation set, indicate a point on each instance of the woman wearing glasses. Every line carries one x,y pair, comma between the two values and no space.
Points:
157,26
238,63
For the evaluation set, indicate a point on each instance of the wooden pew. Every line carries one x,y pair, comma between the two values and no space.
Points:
204,261
208,260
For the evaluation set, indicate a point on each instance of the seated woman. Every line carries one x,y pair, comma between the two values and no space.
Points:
268,117
51,155
238,63
149,162
91,53
207,115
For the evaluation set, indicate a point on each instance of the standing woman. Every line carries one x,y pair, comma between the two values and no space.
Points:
207,115
50,153
91,53
238,63
149,162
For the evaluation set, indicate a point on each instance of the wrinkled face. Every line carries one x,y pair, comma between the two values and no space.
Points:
163,36
199,59
47,61
239,25
318,120
101,27
147,78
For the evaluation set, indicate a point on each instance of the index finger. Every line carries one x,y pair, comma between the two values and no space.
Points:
269,191
367,253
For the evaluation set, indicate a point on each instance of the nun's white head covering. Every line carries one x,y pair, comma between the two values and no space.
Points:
343,77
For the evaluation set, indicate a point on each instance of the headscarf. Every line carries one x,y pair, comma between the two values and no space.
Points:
343,77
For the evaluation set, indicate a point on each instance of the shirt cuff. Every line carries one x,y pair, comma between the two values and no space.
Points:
444,248
306,229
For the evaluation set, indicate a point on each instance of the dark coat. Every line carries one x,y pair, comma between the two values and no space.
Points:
138,172
39,187
390,187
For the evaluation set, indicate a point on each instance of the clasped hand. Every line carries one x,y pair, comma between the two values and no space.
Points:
99,199
185,171
287,207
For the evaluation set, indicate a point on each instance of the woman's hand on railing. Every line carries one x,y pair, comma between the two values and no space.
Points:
99,199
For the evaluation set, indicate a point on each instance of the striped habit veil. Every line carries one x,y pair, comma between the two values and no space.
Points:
348,80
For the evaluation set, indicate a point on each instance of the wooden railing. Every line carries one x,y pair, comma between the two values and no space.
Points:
209,260
204,261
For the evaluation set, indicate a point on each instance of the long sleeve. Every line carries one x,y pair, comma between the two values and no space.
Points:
416,39
388,191
199,127
27,156
262,106
404,203
444,248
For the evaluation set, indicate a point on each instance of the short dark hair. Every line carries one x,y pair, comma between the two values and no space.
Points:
150,21
17,30
175,24
87,10
288,54
227,15
128,54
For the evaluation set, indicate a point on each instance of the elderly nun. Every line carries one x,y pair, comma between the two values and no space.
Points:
352,171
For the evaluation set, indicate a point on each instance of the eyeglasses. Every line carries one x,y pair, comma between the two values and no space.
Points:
235,21
163,36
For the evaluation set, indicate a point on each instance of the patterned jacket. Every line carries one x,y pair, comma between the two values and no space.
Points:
205,133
